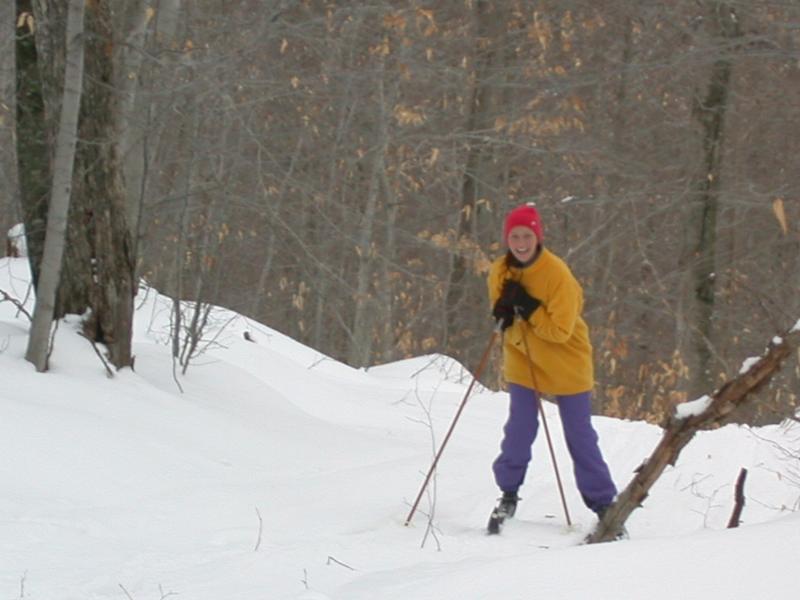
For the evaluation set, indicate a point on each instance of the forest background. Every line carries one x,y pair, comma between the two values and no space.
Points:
363,154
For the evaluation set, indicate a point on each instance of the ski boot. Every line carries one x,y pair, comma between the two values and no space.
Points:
505,509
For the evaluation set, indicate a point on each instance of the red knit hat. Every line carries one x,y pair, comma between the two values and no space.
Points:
524,215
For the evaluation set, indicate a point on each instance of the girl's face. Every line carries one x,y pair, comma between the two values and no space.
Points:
522,242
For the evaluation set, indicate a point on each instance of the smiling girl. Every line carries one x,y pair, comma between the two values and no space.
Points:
546,350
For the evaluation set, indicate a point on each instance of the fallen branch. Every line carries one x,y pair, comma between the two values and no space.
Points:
679,430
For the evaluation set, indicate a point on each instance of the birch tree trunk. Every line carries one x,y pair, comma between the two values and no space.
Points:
38,343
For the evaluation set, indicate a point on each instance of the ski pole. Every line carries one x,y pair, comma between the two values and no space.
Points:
475,377
544,422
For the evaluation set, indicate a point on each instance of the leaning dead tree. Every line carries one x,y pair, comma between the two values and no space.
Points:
682,426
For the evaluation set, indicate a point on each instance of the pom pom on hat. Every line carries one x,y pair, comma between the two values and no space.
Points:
524,215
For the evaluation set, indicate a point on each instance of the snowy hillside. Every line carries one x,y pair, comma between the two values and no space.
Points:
278,473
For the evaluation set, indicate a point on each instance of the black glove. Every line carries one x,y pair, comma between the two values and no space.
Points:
503,314
515,296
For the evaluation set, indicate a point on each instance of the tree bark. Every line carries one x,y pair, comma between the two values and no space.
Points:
366,307
706,206
10,213
33,137
102,265
39,340
388,346
132,140
476,127
97,266
679,431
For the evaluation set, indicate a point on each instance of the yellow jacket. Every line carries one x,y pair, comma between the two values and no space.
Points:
558,337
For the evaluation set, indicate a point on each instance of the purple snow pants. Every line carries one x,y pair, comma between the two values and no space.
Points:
591,472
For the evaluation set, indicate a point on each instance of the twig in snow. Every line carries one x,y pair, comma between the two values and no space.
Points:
260,529
430,363
122,587
109,372
321,359
430,528
163,595
739,500
331,559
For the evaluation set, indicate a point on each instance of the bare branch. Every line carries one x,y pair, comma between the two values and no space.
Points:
5,297
109,372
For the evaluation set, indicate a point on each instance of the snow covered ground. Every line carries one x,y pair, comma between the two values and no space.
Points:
279,473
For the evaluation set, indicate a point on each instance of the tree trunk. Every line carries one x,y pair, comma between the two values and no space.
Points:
32,139
38,343
101,273
388,348
323,335
182,251
141,22
703,215
487,22
9,188
365,304
275,206
97,267
132,150
607,217
679,432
